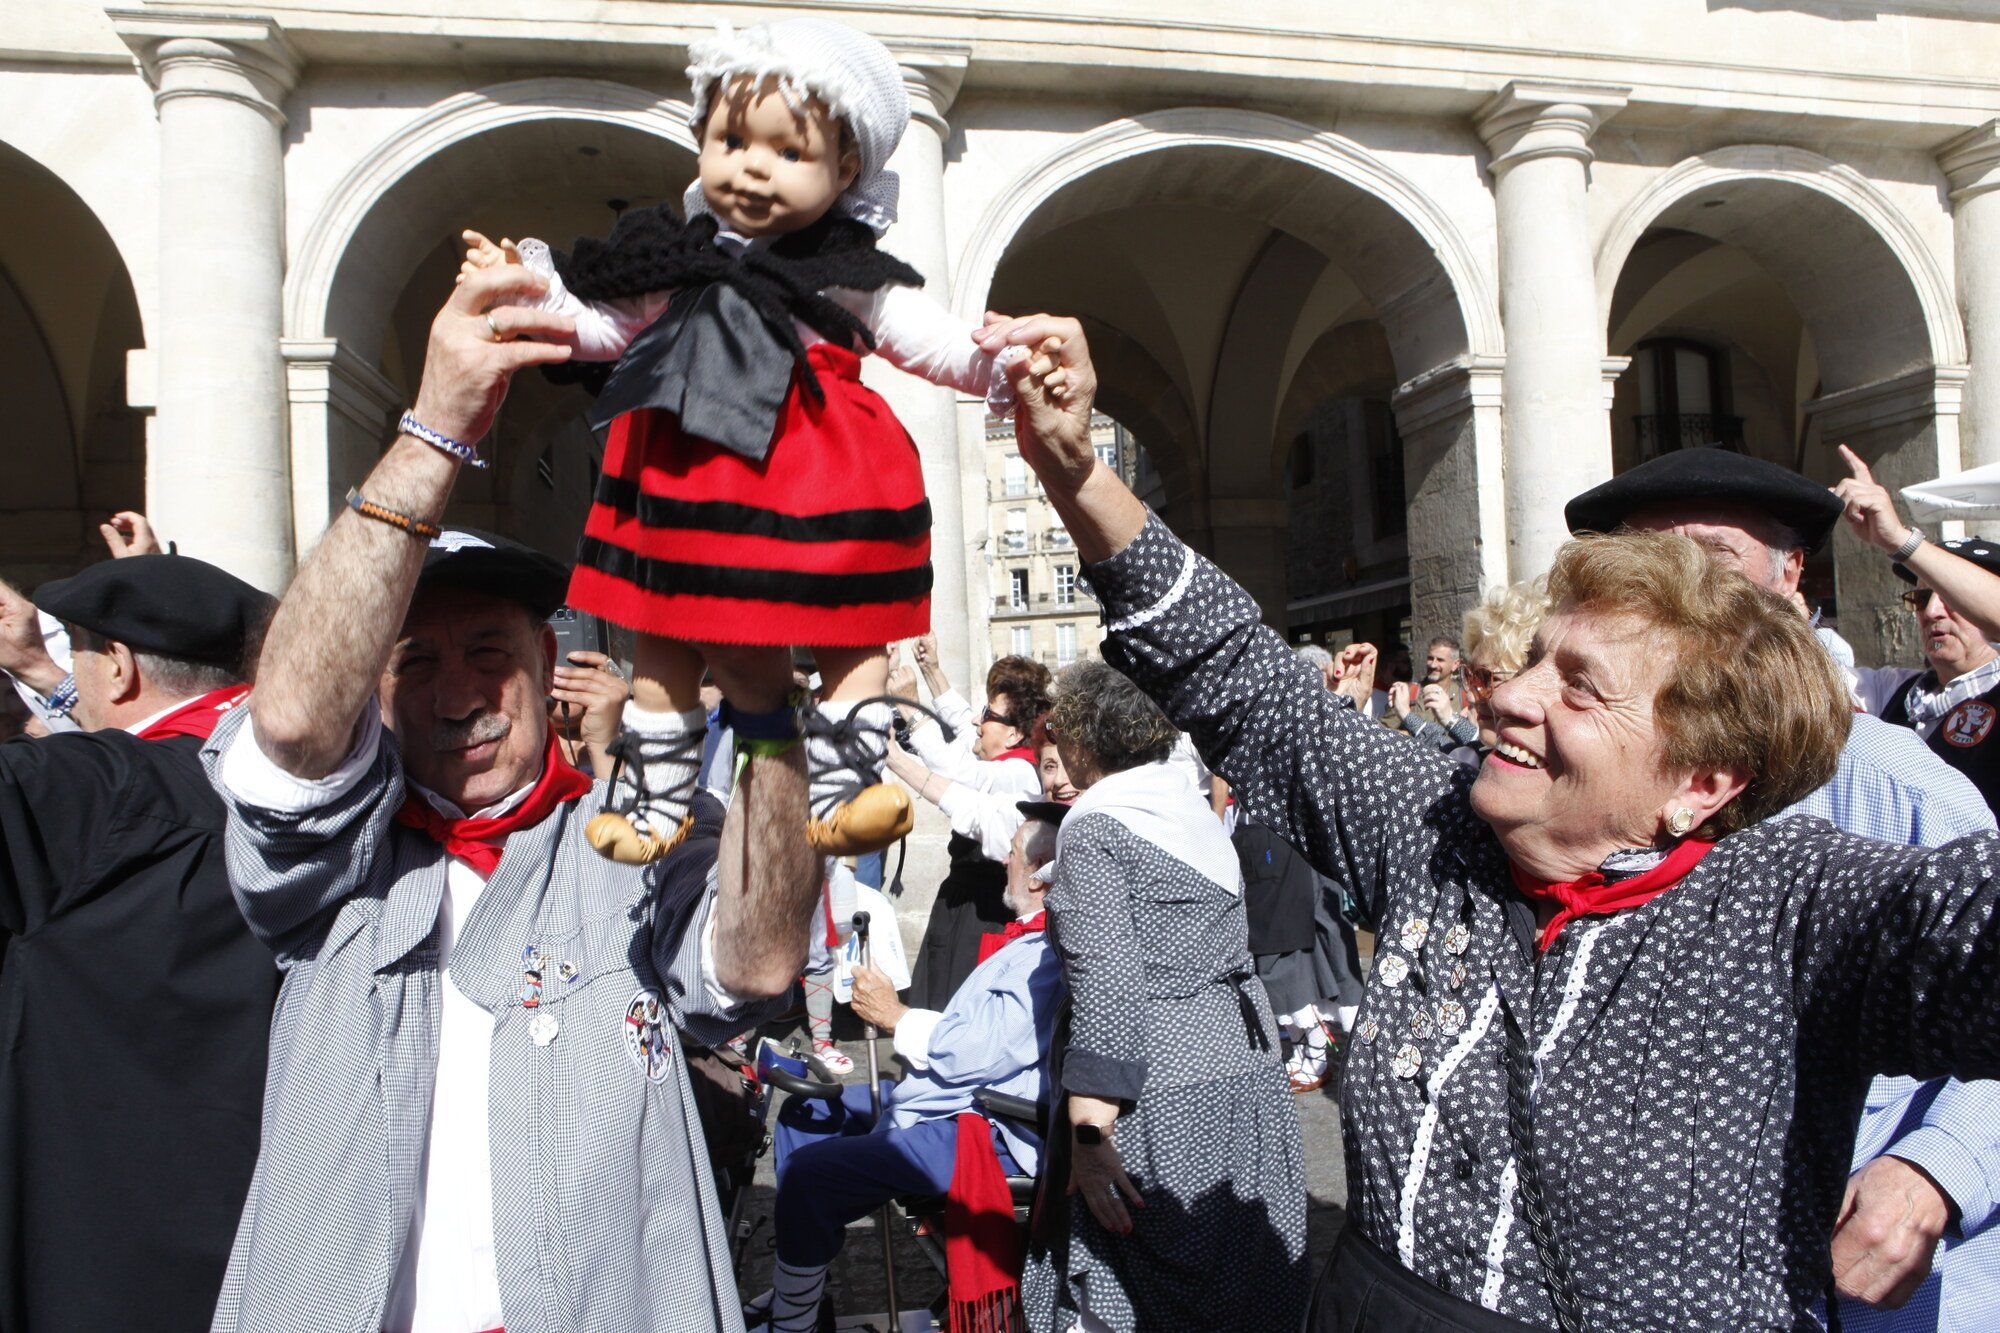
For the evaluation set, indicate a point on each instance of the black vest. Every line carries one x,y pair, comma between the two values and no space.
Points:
1968,738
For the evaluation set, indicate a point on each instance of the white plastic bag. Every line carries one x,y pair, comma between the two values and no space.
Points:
885,939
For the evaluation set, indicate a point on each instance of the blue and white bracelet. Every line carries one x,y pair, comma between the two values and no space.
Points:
63,697
416,429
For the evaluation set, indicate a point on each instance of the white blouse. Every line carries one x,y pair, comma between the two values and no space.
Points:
912,332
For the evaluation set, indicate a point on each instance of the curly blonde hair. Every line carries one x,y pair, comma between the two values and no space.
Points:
1499,630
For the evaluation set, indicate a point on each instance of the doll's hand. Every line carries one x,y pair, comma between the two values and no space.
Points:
481,253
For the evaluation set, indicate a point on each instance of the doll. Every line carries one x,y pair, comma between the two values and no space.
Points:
753,491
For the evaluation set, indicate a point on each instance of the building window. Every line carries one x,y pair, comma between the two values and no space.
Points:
1059,537
1017,529
1388,506
1016,473
1683,398
1021,641
1017,588
1065,644
1066,585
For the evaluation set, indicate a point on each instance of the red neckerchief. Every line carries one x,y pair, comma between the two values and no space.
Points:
478,840
1592,896
995,941
197,717
1018,752
982,1242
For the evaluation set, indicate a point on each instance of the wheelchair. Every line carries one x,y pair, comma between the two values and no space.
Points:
798,1075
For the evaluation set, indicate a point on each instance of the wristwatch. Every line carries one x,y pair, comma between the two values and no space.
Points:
1089,1135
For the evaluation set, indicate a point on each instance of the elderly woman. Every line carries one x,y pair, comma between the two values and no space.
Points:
1621,1022
1185,1160
987,756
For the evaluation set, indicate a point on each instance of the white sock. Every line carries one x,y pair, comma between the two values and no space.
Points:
1305,1019
1344,1015
795,1294
668,773
837,771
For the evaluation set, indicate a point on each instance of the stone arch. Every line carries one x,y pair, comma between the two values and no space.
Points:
329,241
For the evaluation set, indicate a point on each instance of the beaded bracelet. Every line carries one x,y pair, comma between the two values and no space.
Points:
417,430
416,527
63,697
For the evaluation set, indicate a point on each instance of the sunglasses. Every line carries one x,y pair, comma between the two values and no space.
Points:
988,715
1917,599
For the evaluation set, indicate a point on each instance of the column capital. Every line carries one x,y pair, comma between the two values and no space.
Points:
1971,161
242,58
1611,368
1447,391
1524,121
1915,396
932,75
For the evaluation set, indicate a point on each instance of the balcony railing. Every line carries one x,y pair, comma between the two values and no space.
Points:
1663,433
1014,541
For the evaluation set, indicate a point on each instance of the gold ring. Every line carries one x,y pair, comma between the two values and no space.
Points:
497,335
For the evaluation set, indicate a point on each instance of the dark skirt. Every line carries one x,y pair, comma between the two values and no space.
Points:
1363,1290
971,903
825,542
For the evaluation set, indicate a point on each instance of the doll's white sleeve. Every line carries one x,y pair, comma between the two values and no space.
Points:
916,334
604,329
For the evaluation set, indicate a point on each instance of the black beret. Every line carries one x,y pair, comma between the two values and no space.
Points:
1976,549
1050,811
1690,476
172,605
500,566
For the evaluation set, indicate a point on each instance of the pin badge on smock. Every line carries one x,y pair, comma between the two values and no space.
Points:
1451,1018
1422,1027
566,970
1407,1061
1394,969
646,1039
1458,939
1415,931
543,1028
1455,977
531,978
1368,1031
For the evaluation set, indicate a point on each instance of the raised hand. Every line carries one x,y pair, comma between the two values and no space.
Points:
1401,698
477,344
1437,699
1354,666
129,533
1054,387
590,681
23,654
1871,510
480,254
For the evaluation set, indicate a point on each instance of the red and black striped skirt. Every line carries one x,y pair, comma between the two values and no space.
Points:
825,543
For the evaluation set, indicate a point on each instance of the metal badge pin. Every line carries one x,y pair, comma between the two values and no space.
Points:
530,994
1458,939
1415,931
1368,1031
1421,1025
1394,969
543,1029
1451,1018
566,970
1455,978
1406,1062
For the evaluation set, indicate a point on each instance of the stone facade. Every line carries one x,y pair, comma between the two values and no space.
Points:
1494,222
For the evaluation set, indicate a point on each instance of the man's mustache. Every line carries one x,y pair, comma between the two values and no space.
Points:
475,730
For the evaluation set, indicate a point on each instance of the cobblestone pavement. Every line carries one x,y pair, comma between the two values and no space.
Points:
857,1283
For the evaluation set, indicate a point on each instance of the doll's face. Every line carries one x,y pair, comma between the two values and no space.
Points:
767,169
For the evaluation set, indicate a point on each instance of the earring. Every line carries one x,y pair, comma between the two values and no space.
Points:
1680,821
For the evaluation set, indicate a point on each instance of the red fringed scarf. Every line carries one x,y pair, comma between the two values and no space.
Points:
478,840
197,717
1592,896
982,1241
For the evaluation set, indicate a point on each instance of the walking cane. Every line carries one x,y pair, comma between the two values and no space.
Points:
875,1104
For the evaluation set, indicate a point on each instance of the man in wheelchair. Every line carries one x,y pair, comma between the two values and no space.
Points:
837,1163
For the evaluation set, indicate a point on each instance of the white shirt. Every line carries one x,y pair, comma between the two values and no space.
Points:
448,1280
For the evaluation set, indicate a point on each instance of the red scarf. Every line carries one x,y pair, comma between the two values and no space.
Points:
982,1241
1026,752
478,840
995,941
1592,896
197,717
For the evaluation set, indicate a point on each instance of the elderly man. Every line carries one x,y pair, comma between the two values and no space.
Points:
836,1163
133,1001
477,1113
1927,1161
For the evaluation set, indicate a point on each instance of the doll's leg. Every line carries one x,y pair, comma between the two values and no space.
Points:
658,754
854,811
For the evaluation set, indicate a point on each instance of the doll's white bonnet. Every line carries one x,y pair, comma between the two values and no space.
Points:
851,73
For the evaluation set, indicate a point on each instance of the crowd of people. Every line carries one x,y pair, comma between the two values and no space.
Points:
1678,1009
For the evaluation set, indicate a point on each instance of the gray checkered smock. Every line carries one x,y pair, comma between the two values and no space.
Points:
604,1208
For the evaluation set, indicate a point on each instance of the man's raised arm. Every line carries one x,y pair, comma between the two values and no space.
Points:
332,634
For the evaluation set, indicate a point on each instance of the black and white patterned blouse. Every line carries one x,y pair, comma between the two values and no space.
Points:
1700,1060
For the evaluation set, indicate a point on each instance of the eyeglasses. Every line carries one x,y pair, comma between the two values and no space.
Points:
988,715
1917,599
1479,682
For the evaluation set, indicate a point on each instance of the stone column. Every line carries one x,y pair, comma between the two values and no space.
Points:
1450,421
216,472
342,409
932,76
1907,429
1558,440
1971,163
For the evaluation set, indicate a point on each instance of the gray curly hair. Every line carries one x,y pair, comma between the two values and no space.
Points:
1100,711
